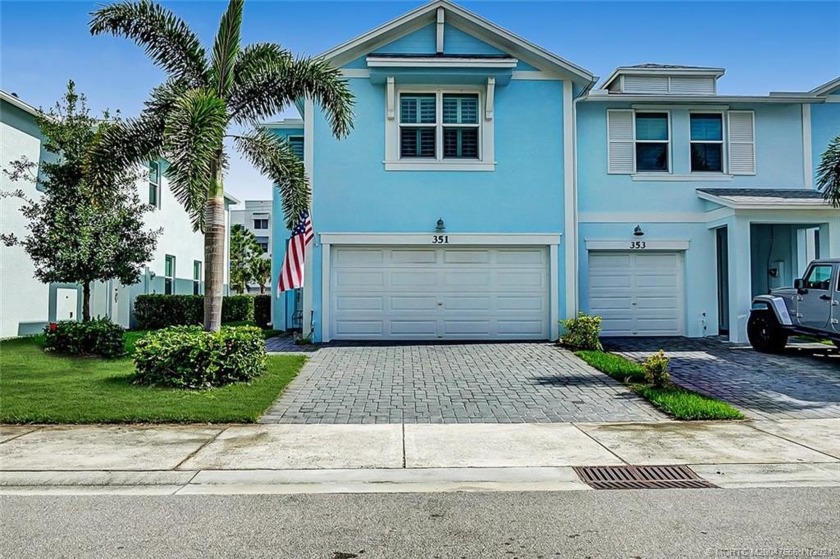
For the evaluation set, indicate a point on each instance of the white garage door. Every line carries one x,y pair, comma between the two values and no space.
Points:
408,293
637,294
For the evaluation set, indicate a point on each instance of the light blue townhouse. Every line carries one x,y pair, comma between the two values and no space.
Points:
691,202
488,190
448,211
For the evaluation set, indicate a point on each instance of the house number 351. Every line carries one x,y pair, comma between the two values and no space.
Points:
440,239
637,245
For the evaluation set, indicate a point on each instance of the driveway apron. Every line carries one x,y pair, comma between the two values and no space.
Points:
453,383
801,383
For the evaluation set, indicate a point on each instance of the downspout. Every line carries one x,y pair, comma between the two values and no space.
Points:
581,96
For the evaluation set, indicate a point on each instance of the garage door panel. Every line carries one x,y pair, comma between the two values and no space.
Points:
637,294
413,303
359,303
439,293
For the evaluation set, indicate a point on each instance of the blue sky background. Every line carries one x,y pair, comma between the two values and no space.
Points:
764,46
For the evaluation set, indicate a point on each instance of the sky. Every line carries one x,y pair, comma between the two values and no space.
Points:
764,46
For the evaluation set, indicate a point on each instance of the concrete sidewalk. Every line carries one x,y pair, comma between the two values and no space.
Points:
167,459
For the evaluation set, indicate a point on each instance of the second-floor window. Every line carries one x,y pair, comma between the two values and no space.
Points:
652,142
707,142
196,277
296,142
154,183
263,242
169,275
439,126
261,223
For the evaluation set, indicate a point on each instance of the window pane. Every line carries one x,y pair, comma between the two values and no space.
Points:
706,127
819,278
460,143
460,109
167,286
169,263
154,172
417,142
707,157
651,126
197,270
153,194
652,157
417,109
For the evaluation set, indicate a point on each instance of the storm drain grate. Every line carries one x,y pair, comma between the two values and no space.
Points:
641,477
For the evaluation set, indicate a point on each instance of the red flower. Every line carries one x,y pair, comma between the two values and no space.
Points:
53,326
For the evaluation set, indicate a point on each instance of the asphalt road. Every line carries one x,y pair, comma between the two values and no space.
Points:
663,523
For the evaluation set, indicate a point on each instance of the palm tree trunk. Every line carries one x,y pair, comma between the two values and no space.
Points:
86,302
214,254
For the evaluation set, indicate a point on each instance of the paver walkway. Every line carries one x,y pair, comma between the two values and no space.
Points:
802,383
454,383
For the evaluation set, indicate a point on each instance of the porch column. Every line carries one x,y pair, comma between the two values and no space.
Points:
740,278
830,240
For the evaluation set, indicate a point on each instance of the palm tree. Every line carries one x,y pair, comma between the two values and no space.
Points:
187,119
261,271
828,173
244,249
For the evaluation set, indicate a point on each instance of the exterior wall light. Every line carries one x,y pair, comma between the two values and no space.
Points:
637,231
440,226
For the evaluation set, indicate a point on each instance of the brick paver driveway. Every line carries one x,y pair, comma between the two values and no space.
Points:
453,383
802,383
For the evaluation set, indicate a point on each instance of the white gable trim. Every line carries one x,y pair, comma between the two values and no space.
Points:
22,105
461,19
434,62
826,87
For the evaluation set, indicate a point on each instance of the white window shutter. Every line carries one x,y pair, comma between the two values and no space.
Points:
741,142
620,141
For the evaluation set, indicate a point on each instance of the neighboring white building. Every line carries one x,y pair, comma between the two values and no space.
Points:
256,218
177,266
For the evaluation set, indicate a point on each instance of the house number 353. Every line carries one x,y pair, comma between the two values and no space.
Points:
637,245
440,239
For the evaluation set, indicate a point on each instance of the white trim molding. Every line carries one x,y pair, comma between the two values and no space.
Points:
434,62
807,148
635,245
693,177
454,239
569,200
355,73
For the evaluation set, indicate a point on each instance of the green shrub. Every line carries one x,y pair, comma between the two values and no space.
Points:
189,357
656,370
97,337
262,310
582,332
154,312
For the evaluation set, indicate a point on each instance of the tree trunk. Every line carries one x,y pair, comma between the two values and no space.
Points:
86,302
214,254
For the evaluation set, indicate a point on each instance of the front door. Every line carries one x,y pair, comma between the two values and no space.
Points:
814,308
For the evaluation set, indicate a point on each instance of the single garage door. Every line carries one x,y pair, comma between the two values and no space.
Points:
413,293
637,294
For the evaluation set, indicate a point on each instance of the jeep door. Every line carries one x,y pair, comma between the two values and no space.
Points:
814,308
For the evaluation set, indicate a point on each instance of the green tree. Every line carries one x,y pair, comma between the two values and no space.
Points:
261,271
244,248
72,238
828,173
188,118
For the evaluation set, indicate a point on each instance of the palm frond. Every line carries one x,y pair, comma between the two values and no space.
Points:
168,41
226,48
828,173
193,137
274,157
270,79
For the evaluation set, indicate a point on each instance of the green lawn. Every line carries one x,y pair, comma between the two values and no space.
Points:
678,402
36,387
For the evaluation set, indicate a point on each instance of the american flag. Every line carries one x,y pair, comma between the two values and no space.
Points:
291,274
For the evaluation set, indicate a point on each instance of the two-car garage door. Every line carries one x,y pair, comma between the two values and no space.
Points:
637,293
433,293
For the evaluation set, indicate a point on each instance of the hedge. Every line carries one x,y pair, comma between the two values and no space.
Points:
99,336
189,357
154,312
262,310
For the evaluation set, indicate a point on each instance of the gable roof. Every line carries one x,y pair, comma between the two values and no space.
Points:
13,99
826,88
464,20
764,198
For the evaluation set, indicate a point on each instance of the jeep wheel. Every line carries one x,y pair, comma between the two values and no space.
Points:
765,334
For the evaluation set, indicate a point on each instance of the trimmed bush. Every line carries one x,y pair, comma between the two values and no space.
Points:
656,369
154,312
262,310
189,357
97,337
581,332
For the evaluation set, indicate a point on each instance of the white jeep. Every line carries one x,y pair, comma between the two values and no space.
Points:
811,307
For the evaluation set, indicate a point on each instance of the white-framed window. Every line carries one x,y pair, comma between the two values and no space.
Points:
653,142
440,129
261,223
263,242
154,183
706,142
169,275
197,277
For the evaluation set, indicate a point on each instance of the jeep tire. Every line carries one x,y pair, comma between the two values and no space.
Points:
765,333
